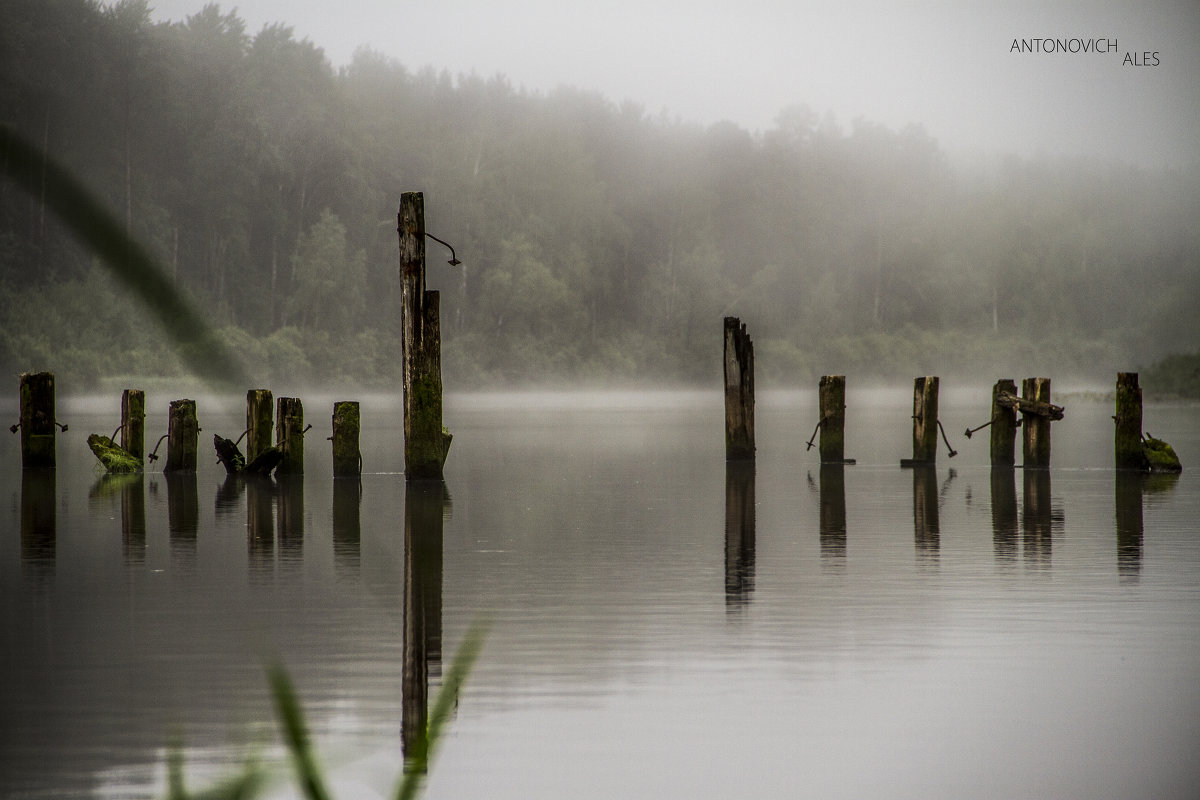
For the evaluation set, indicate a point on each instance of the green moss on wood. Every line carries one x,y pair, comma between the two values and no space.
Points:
1160,456
115,458
347,458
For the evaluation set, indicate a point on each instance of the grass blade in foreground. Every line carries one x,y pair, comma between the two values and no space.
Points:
95,226
291,717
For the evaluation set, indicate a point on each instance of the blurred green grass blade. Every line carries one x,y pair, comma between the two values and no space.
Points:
443,705
95,226
291,716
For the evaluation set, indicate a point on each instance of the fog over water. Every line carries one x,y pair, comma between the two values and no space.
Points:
949,66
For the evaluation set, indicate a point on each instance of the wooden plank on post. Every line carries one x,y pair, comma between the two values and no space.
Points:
739,391
1004,425
133,424
289,433
425,442
260,406
925,420
183,433
37,420
1036,426
1128,430
347,459
832,393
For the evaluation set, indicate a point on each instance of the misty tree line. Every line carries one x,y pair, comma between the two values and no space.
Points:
600,242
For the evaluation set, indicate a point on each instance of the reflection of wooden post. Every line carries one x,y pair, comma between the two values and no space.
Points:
260,525
926,528
425,445
37,420
832,527
422,637
182,435
347,460
347,525
133,423
39,524
832,392
1004,425
133,517
739,532
1128,433
1004,513
289,516
289,433
1128,493
739,391
1036,516
259,408
183,516
1036,426
925,418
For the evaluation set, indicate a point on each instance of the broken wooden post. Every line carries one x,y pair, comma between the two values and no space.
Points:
347,460
925,422
259,408
832,397
1128,430
1004,425
1035,425
289,433
426,442
183,433
739,391
133,424
37,420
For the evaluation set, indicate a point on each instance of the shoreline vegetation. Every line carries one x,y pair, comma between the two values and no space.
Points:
600,244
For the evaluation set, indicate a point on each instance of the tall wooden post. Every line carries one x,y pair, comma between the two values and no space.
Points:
425,445
1036,426
925,419
1128,433
133,424
832,393
259,410
1004,425
739,391
183,432
347,460
289,433
37,420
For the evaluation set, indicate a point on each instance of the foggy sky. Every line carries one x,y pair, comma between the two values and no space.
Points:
944,64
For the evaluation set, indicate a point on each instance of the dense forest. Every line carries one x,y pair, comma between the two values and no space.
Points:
601,244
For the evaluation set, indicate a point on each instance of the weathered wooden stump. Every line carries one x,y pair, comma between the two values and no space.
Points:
925,422
259,409
229,455
426,442
37,420
739,392
133,424
289,434
347,459
183,434
1127,435
1036,426
832,398
1004,425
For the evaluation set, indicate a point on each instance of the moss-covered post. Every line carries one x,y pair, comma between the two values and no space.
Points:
347,459
133,424
259,410
289,433
425,444
1128,433
925,419
1004,425
832,391
739,392
1036,426
183,433
37,420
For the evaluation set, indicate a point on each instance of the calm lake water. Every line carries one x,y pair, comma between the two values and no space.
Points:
661,626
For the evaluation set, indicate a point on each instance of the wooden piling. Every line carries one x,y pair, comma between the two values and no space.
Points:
925,420
37,420
1128,429
259,408
289,433
425,441
347,459
1036,426
133,424
183,433
1004,425
739,392
832,394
